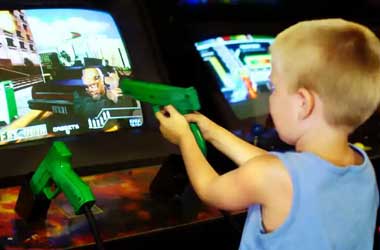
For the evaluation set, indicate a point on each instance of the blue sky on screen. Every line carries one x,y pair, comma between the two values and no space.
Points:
79,32
50,27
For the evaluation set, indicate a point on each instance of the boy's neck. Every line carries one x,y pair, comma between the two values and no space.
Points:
331,145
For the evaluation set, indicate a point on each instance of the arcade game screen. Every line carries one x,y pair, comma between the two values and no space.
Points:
241,65
59,75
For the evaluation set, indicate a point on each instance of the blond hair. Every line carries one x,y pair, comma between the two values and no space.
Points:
337,59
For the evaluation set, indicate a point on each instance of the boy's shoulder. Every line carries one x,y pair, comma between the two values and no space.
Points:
268,177
266,166
266,162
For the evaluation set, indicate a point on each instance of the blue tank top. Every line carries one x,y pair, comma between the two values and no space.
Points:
333,208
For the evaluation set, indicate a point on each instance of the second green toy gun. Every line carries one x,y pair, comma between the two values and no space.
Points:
185,100
54,175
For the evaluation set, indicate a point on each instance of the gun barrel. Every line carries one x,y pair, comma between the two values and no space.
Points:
57,153
56,168
184,99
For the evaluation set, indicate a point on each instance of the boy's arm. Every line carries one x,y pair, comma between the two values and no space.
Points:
233,147
261,180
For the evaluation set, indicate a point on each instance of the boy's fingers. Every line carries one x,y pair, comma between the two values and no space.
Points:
159,116
191,117
170,109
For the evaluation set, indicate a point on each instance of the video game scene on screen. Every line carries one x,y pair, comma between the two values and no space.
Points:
59,75
241,64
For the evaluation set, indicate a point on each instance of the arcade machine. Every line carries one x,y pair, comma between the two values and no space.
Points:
41,77
241,64
225,54
221,46
61,68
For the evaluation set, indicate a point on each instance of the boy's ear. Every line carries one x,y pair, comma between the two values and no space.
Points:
305,101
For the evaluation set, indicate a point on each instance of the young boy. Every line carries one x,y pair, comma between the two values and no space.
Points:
326,82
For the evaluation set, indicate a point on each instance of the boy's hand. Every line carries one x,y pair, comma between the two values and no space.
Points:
173,125
206,126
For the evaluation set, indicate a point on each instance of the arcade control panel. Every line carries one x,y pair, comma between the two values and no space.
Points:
366,136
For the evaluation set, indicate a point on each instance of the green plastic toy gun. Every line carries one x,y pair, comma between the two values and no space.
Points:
185,100
53,175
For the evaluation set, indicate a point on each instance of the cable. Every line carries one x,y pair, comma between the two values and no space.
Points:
92,224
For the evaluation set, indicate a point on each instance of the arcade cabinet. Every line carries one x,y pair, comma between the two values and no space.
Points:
41,71
222,49
220,46
65,57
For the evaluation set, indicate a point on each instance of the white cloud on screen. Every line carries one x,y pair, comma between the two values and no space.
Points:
97,39
50,35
